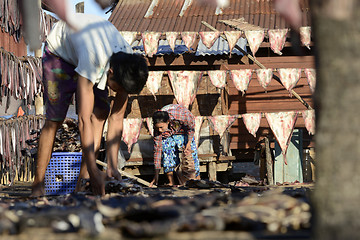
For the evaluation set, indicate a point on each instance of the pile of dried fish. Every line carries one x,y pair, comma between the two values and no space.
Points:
156,213
114,186
247,180
68,137
204,184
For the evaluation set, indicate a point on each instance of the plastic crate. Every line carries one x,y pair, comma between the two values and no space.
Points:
62,173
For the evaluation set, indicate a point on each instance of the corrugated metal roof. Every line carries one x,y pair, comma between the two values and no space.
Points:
129,15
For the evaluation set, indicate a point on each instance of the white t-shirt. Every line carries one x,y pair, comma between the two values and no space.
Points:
89,47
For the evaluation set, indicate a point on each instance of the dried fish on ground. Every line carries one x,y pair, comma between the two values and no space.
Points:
68,137
115,186
156,214
203,184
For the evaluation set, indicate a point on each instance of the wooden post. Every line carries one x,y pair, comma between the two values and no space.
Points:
212,171
128,175
39,104
225,142
262,162
269,164
312,163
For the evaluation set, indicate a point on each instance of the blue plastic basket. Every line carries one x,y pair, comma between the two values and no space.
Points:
62,173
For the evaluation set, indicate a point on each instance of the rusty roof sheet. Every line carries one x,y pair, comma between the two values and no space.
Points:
167,15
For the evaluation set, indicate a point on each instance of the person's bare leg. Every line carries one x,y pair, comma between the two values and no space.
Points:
170,176
98,119
46,142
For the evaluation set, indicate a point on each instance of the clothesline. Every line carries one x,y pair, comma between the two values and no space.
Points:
22,59
238,116
21,118
163,34
205,72
281,124
277,38
185,83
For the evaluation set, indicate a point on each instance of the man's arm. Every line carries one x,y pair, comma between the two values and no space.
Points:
85,109
114,133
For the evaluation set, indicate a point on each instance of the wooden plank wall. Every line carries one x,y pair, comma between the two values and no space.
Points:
275,99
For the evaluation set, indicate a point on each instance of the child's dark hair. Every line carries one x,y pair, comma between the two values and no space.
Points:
130,71
160,117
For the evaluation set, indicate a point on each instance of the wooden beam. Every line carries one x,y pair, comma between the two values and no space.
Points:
139,180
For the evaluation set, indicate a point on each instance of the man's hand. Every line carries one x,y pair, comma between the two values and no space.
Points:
113,173
97,182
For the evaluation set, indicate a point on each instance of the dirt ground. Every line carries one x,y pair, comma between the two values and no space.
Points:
19,192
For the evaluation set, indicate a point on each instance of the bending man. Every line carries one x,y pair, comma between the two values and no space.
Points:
85,61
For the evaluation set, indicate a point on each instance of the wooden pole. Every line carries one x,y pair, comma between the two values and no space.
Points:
269,164
260,65
39,101
262,162
139,180
212,171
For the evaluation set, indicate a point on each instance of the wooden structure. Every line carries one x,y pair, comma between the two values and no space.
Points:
180,16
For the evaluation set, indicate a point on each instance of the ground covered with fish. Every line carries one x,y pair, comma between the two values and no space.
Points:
200,210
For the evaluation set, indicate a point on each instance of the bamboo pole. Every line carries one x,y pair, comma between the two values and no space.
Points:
139,180
39,100
260,65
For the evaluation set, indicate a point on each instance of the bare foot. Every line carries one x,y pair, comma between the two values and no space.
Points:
37,190
82,185
113,174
